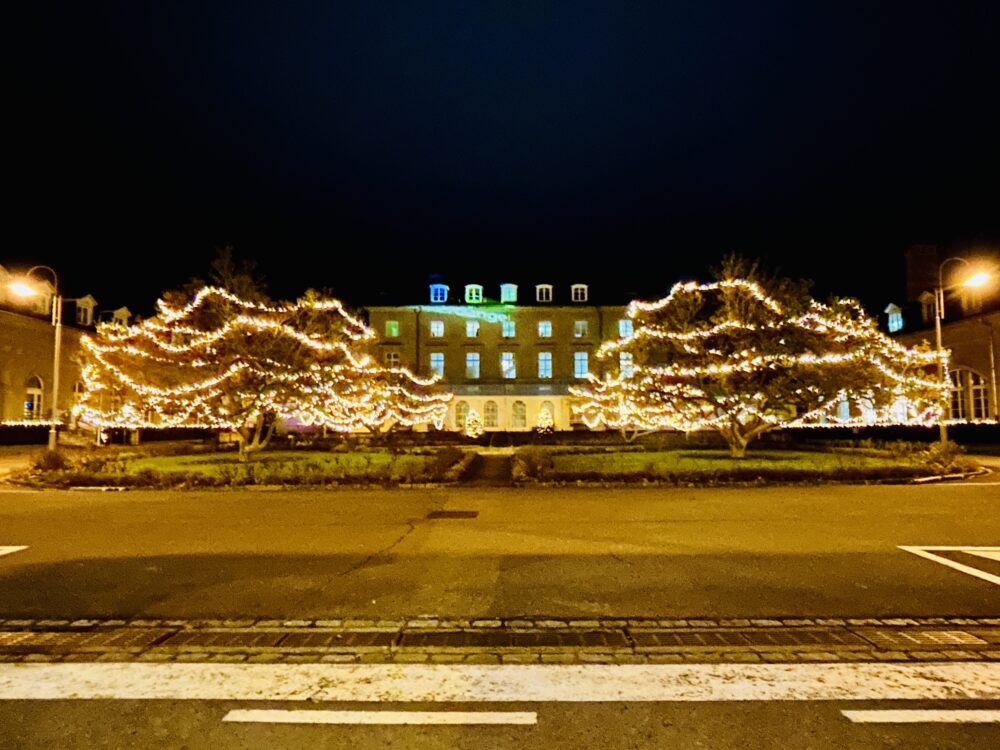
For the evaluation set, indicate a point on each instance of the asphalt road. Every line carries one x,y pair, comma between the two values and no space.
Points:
785,551
790,551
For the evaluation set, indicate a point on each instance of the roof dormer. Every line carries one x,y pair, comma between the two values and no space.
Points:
578,292
85,310
543,292
473,293
508,293
439,293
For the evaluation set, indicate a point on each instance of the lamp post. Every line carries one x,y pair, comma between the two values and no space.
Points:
976,279
25,289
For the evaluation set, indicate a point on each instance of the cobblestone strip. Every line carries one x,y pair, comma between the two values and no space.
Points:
544,640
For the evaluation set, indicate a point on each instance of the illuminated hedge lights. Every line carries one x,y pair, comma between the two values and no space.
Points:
225,363
727,356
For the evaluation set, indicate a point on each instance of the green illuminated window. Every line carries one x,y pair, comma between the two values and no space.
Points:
391,328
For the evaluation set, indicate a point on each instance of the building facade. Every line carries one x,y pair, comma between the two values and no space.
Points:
509,352
970,327
27,349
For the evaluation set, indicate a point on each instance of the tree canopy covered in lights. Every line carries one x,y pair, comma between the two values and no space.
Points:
744,355
224,362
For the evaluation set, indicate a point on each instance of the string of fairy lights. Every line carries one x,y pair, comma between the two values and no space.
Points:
708,377
221,362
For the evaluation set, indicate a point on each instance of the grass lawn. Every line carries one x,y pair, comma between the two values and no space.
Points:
710,464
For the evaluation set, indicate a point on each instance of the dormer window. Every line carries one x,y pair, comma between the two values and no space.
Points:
439,293
473,293
508,292
543,293
578,292
895,318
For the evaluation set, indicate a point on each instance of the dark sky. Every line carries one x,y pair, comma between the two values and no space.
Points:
362,145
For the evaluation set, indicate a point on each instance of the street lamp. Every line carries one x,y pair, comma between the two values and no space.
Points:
977,279
24,288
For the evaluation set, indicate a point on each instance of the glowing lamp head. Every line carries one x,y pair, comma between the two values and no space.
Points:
977,279
22,289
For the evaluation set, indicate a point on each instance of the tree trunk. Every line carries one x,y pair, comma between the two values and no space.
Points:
255,437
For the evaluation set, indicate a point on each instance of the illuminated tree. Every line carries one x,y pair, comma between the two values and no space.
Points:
743,356
473,424
227,363
545,424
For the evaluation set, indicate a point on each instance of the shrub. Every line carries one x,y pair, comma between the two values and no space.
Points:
51,461
532,462
444,459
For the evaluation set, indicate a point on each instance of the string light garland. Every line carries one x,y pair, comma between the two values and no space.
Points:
473,424
225,363
728,356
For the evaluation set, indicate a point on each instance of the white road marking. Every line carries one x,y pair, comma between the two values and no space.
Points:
448,683
928,553
987,553
925,716
266,716
11,550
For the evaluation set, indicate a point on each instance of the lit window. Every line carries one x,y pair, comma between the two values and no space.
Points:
543,293
32,398
844,410
579,364
507,329
508,292
391,329
580,329
392,359
437,328
544,329
473,293
624,327
461,413
544,364
439,292
472,365
490,414
472,328
895,322
625,364
508,367
518,415
578,292
437,363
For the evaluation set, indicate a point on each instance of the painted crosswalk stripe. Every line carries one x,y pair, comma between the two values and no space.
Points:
268,716
10,550
924,716
984,552
447,683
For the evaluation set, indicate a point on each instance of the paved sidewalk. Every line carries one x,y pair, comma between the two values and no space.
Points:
504,641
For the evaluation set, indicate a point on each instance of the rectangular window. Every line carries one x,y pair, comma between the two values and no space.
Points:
579,364
391,329
392,359
624,327
472,365
507,327
508,368
437,329
544,365
472,328
580,329
544,329
437,363
625,363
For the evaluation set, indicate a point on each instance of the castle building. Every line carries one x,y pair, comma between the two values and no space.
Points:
510,351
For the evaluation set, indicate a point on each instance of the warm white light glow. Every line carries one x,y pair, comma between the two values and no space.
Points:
977,279
22,289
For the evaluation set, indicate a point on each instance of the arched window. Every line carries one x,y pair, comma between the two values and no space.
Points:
547,406
490,414
461,412
970,397
518,415
32,398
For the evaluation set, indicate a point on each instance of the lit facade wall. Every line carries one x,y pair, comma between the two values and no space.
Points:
26,349
973,343
446,330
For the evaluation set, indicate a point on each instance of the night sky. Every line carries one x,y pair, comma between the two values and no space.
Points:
361,146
